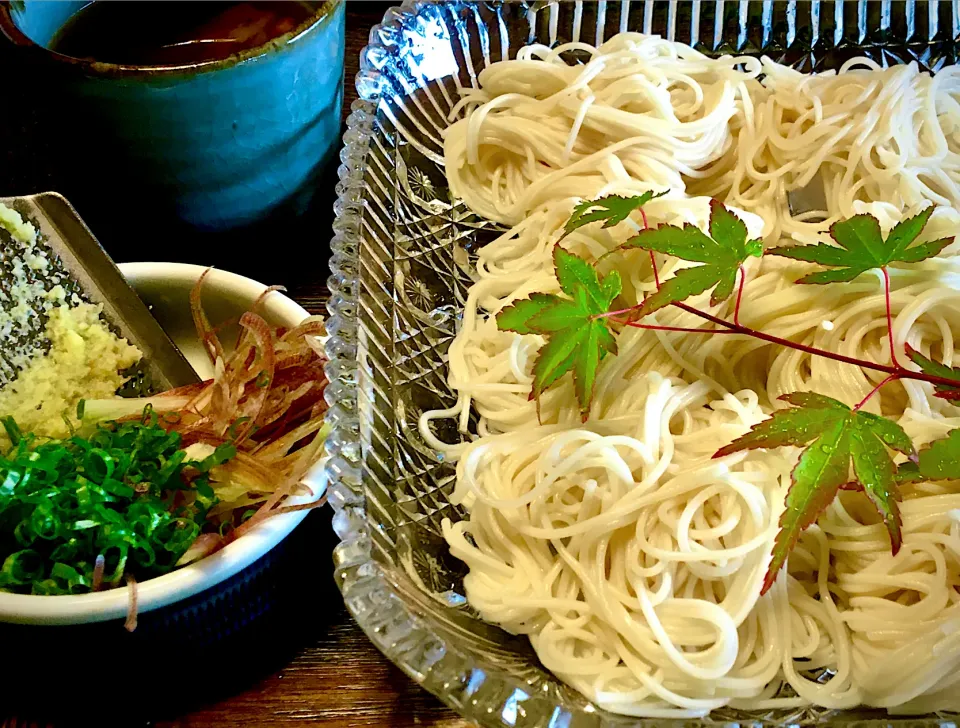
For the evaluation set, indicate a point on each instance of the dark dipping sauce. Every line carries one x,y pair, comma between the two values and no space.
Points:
135,33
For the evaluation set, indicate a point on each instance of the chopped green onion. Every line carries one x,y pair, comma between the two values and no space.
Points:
113,493
13,431
21,567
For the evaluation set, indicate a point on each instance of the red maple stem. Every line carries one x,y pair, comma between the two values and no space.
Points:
813,350
611,314
747,331
735,328
736,310
876,389
680,329
653,259
886,293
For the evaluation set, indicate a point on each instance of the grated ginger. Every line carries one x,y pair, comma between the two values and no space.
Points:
84,360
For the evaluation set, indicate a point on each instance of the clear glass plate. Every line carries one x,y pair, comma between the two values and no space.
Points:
401,267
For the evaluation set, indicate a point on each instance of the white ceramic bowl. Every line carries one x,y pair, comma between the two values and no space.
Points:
165,287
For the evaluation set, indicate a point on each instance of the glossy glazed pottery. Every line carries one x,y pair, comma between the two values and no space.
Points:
216,144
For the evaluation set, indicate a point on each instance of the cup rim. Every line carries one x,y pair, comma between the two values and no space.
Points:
10,30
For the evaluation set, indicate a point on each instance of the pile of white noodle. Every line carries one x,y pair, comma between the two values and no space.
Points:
632,559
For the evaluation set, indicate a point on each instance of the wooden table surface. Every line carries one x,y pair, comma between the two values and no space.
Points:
336,677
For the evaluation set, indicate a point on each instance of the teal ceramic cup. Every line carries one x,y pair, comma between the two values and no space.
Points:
216,145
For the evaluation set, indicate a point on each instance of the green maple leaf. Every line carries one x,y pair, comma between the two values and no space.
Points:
940,460
833,435
612,209
722,252
935,369
862,247
577,341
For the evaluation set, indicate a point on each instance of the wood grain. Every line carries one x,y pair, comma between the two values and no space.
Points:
342,680
336,677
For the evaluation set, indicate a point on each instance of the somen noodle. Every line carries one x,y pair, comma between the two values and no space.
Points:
630,557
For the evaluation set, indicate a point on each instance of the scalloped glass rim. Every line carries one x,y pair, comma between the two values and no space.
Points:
479,671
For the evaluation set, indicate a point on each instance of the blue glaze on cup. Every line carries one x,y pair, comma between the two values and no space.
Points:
217,144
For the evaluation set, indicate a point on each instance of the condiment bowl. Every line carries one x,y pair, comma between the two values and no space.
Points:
165,287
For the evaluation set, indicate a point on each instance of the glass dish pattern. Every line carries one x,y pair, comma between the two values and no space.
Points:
401,267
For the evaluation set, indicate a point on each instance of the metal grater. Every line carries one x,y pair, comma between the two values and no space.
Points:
80,265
